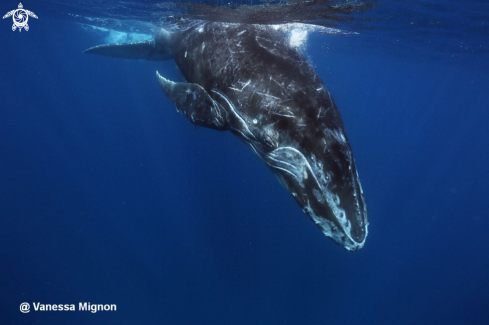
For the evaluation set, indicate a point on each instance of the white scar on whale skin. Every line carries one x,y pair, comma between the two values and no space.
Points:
244,86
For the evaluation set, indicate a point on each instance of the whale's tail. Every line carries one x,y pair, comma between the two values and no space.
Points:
160,48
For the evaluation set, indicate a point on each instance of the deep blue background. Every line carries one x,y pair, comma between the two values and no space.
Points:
107,195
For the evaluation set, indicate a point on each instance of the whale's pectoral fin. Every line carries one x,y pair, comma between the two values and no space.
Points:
196,103
145,50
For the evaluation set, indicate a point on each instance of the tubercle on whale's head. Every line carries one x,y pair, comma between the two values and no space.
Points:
323,179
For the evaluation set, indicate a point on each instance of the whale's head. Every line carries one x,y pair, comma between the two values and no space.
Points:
312,157
326,185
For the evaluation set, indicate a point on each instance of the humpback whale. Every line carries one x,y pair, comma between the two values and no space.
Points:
249,80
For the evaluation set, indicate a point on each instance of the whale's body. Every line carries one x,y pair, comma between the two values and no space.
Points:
249,80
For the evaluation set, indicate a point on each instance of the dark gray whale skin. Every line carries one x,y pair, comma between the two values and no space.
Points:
249,80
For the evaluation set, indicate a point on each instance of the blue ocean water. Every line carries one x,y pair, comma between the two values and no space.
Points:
108,196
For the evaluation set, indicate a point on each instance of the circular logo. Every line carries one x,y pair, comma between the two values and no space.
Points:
25,307
20,18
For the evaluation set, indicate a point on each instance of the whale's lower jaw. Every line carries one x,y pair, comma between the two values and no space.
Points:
330,230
